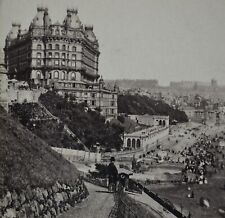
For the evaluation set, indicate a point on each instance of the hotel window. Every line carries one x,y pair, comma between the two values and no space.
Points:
38,55
38,62
112,103
73,64
93,95
112,111
63,47
73,76
50,46
50,62
39,47
57,47
56,55
50,54
57,62
93,103
63,63
73,57
38,75
57,32
56,74
74,48
63,56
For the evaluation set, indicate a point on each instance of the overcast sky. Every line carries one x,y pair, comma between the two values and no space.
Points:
168,40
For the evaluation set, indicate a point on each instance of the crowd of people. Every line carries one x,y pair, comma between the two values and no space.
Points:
203,157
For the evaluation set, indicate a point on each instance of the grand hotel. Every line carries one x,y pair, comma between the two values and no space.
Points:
63,56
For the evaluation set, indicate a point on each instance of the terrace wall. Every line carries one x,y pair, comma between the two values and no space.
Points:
78,155
42,201
21,96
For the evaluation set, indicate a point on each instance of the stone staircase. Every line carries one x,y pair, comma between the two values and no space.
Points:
47,111
73,135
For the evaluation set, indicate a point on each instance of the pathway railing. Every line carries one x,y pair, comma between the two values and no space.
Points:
159,200
128,207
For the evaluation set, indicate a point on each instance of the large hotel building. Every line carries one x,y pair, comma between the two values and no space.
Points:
63,56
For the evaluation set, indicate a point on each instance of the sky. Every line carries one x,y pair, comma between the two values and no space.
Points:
168,40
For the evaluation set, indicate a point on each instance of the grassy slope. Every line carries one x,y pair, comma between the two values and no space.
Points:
137,104
89,126
26,159
53,134
50,131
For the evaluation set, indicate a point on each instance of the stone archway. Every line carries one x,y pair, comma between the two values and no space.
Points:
128,143
138,143
160,122
133,143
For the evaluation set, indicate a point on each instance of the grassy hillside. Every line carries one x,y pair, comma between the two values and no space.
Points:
47,129
26,159
137,104
88,125
53,133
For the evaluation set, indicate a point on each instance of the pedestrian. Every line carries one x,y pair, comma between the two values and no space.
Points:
112,175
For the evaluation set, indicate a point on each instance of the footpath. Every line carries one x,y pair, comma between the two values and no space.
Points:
98,204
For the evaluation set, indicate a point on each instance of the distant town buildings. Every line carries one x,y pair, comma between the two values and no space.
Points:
214,84
182,85
126,84
190,84
62,56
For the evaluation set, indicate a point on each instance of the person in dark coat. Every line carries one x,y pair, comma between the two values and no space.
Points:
112,174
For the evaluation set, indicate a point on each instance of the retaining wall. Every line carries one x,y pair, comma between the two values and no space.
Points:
21,96
78,155
42,202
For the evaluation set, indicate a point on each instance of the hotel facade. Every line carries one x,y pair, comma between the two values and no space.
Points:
62,56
